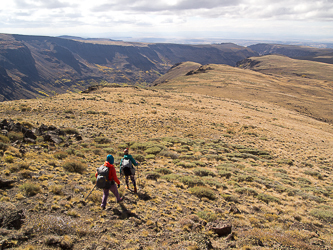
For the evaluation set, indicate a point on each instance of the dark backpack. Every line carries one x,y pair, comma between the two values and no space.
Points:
102,180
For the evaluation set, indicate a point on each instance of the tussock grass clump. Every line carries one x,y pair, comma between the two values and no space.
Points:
324,213
59,225
109,150
226,174
164,171
74,166
56,189
151,175
14,136
168,154
213,182
247,191
201,192
153,150
30,189
4,139
102,140
60,155
171,177
314,174
268,198
206,215
192,181
203,172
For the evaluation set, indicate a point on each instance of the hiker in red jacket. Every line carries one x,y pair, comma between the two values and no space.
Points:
114,179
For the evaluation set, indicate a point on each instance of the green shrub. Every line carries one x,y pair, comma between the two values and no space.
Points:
30,189
60,155
225,174
303,180
3,146
247,191
201,192
4,139
74,166
323,213
14,136
164,171
109,150
192,181
153,150
139,157
168,154
102,140
207,215
203,172
150,156
170,177
314,173
212,182
230,198
268,198
97,151
200,163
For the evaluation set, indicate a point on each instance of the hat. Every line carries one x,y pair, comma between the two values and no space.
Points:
126,150
110,159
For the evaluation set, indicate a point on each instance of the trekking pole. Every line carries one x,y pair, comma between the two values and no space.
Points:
90,193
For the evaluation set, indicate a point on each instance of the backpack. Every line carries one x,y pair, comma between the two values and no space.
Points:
102,180
128,164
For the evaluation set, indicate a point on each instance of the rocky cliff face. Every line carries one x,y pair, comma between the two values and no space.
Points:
32,66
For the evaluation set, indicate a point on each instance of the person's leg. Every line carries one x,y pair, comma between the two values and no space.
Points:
114,190
134,184
105,197
126,180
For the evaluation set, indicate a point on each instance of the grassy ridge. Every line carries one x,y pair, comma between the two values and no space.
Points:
201,157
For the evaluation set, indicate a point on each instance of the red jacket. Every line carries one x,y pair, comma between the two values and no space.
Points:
112,172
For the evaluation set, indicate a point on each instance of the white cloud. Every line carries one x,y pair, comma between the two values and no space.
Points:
56,17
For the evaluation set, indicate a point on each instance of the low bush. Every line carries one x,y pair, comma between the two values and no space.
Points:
102,140
225,174
56,189
247,191
207,215
203,172
170,177
192,181
74,166
164,171
201,192
14,136
60,155
4,139
313,173
30,189
267,198
153,150
323,213
70,131
109,150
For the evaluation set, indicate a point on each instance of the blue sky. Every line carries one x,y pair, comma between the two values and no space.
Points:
228,19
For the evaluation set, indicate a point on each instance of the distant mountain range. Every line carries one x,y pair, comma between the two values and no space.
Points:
35,66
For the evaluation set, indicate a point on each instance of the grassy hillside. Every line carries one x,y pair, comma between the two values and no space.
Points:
302,86
262,169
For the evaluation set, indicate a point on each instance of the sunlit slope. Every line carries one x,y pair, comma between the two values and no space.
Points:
303,86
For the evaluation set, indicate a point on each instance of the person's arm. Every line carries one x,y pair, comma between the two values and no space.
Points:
121,161
133,161
113,174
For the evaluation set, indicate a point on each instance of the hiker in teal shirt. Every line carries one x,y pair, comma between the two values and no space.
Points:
126,168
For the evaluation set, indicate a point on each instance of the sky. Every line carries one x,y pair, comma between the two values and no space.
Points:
228,19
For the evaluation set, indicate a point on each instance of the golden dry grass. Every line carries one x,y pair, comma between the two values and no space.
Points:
201,130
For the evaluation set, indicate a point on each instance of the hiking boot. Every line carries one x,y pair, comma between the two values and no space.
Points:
135,191
102,207
121,199
127,187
